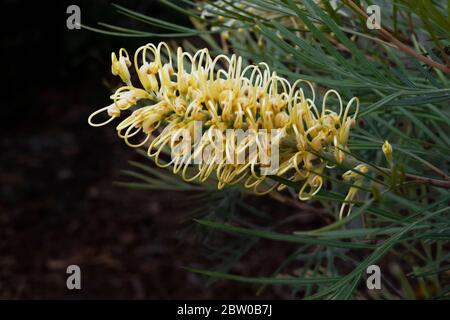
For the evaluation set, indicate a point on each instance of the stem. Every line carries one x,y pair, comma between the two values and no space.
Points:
410,178
445,184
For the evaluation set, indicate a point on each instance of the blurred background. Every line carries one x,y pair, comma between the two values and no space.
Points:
58,204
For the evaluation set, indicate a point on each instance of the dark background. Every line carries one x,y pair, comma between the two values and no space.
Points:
58,205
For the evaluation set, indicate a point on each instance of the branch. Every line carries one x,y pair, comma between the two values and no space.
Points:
423,180
352,162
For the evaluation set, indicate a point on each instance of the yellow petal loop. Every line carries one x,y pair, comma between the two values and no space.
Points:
119,67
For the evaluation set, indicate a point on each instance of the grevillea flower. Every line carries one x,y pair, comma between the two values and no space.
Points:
222,94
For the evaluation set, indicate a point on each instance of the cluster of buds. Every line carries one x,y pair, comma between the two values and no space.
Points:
222,94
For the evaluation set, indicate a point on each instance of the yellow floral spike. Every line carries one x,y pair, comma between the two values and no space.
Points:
223,94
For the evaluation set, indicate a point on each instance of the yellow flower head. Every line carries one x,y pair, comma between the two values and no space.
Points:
221,93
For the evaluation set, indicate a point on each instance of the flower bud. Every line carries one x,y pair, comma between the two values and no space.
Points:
387,150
